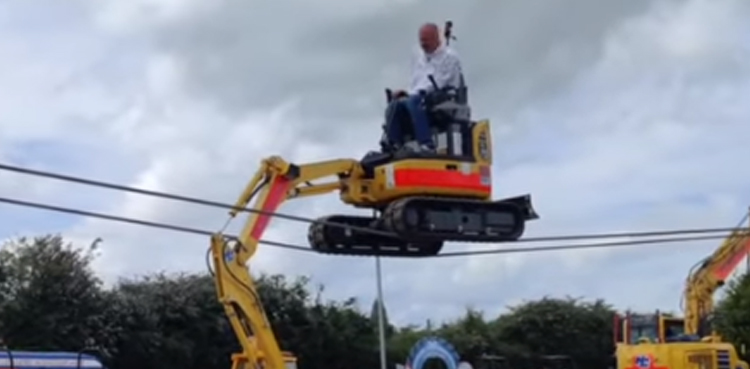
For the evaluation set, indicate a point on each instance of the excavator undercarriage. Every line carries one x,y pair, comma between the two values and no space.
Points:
420,225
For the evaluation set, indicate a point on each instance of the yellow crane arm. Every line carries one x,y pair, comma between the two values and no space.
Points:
708,276
275,182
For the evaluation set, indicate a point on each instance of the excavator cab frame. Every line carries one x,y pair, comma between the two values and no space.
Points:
657,327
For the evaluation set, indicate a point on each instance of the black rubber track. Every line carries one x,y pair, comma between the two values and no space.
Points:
337,240
461,220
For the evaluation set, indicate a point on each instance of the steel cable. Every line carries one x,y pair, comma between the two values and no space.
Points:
290,246
222,205
176,197
145,223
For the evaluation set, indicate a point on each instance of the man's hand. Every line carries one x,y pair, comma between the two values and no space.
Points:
397,94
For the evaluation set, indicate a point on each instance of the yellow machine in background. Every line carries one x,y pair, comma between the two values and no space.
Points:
660,341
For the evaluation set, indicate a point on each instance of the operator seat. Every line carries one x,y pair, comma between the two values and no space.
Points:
451,125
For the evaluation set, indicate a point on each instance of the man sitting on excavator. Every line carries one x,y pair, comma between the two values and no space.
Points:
437,61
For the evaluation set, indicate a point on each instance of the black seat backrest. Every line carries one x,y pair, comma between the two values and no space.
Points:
450,106
451,121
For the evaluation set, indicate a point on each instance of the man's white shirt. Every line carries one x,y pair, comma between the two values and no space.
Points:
443,64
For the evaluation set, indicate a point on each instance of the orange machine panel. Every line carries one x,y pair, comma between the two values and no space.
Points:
430,177
443,178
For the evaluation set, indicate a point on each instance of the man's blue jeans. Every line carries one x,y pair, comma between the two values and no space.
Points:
419,118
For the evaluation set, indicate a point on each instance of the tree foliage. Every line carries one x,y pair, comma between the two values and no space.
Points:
49,295
732,318
50,299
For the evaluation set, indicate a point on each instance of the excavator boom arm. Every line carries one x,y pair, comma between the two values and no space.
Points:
275,182
710,276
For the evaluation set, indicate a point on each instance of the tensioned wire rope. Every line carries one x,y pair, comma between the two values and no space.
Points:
295,247
698,234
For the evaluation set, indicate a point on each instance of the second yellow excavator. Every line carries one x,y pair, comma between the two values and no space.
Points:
661,341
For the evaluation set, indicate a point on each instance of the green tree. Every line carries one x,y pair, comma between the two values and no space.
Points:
322,334
374,313
49,296
732,314
471,334
582,330
175,321
401,342
170,321
50,299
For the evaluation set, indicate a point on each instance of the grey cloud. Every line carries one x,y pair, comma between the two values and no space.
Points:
249,55
243,58
515,53
516,45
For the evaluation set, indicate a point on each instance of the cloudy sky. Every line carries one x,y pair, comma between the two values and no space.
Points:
615,115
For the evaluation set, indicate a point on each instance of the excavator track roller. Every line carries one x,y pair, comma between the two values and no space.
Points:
330,235
446,219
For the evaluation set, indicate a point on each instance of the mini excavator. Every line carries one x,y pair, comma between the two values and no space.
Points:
419,200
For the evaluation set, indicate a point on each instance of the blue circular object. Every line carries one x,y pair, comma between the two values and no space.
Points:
432,348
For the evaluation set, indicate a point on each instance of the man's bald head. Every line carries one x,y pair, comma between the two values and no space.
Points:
429,37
